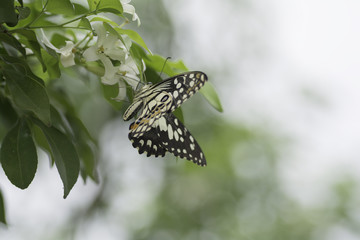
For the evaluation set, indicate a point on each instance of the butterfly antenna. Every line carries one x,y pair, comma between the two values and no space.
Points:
162,69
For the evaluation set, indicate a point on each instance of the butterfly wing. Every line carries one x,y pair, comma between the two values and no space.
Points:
169,135
177,139
165,97
148,143
152,111
182,86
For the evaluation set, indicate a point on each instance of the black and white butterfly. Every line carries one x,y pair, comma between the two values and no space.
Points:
156,130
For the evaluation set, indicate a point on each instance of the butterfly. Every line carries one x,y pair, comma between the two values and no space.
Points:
156,130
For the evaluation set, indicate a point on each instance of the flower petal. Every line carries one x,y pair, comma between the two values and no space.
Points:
91,54
127,41
110,41
100,32
116,54
46,41
67,60
68,48
122,91
132,80
109,77
131,10
128,8
129,66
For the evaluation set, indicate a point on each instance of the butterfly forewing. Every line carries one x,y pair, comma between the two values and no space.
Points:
176,90
182,87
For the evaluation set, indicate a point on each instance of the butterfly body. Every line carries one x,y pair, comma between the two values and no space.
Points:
156,130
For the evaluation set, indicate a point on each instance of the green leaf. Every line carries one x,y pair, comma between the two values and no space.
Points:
28,93
24,12
21,66
113,6
89,166
35,14
64,153
18,155
85,23
41,141
8,114
59,40
2,209
171,68
95,68
152,75
7,13
179,114
80,9
208,91
110,92
110,29
13,42
58,121
134,36
52,64
64,7
138,54
85,146
29,40
104,19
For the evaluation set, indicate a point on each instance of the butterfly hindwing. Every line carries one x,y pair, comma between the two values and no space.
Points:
148,143
169,135
177,139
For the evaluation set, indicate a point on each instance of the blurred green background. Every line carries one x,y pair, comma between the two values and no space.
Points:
267,175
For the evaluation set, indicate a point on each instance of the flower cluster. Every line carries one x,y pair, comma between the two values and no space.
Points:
108,49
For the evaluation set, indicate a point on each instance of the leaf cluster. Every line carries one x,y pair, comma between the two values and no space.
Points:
36,115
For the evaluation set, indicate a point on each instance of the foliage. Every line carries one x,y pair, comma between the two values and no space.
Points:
40,44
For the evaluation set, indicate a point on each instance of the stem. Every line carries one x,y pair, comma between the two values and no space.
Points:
61,25
55,26
85,38
77,18
37,18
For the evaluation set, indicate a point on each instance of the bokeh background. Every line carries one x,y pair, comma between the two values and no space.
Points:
283,157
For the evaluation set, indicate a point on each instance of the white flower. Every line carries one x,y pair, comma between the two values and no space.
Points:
130,72
128,8
127,72
107,44
107,48
109,77
67,55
